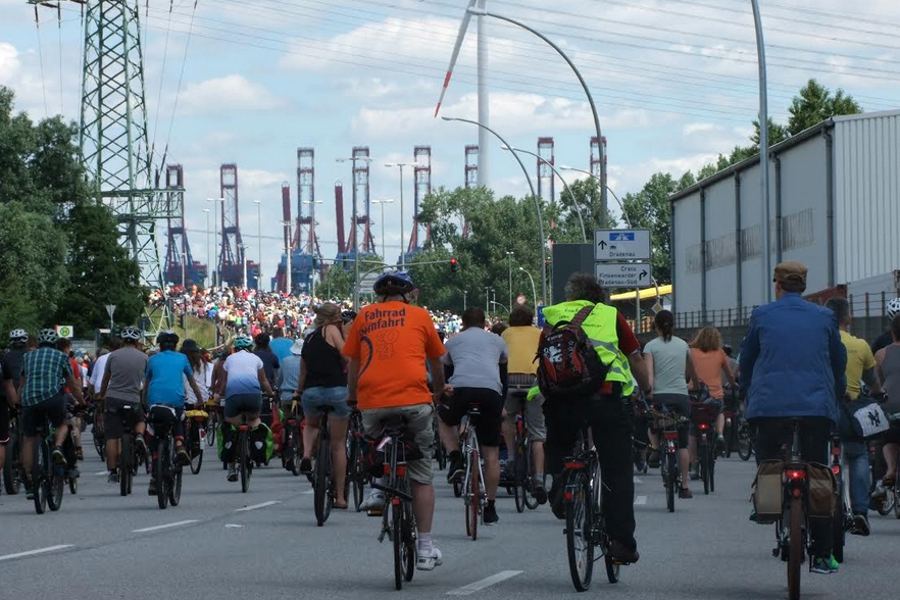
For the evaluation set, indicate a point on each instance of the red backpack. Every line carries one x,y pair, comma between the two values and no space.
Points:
568,365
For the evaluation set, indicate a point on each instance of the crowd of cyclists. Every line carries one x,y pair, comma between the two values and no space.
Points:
392,364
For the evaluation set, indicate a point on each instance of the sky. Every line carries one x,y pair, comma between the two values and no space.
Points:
248,82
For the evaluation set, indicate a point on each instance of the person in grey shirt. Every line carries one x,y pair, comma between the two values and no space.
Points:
289,375
668,361
479,362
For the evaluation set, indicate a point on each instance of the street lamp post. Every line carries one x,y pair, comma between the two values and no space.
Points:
509,256
565,185
183,260
288,284
481,12
487,300
763,151
465,298
258,244
383,245
530,278
537,201
402,238
208,265
353,160
244,282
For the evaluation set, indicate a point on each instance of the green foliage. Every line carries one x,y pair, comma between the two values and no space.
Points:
61,260
649,209
587,198
337,283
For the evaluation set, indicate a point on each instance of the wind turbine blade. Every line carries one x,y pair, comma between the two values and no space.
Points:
456,48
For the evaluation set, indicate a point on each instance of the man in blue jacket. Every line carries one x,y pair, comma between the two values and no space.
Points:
793,365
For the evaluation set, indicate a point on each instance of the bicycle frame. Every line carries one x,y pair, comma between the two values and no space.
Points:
468,446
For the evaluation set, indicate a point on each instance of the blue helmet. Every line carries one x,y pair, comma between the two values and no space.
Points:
243,342
394,283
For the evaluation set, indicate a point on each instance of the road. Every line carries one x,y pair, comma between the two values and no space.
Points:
221,544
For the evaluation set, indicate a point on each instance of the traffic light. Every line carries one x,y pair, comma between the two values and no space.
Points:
454,265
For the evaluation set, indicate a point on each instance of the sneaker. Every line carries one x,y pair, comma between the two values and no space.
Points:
539,491
489,515
79,453
824,566
58,456
653,458
113,477
29,490
232,472
720,444
860,525
151,489
695,472
140,446
427,562
182,458
880,492
620,553
456,469
306,466
373,504
685,493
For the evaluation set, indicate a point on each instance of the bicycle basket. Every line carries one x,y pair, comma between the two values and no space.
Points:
767,491
822,491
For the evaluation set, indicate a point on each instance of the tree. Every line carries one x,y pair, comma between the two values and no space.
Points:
649,209
586,194
815,103
337,282
100,272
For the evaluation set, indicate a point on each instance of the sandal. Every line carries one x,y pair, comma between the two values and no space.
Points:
337,506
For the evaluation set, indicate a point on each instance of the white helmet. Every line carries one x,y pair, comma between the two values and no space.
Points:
18,335
893,308
130,333
47,336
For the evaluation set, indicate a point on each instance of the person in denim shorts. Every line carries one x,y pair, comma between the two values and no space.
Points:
323,383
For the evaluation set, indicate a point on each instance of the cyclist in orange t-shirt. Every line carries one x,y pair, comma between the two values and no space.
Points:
388,346
710,363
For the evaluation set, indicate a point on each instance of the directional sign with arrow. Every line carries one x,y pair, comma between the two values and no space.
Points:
623,275
622,244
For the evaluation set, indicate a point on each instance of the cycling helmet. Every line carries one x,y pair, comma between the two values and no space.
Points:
18,335
167,338
130,333
893,308
243,342
394,283
47,336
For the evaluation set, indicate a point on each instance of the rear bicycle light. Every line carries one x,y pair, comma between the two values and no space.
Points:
836,469
795,474
401,470
671,435
568,496
574,465
703,426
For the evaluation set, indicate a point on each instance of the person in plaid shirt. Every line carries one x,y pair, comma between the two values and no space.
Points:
46,372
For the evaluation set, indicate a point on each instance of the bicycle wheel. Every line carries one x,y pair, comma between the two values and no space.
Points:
12,481
839,532
162,473
196,459
887,504
703,452
473,497
795,553
125,472
397,539
323,497
520,475
729,438
896,503
530,501
745,445
712,469
211,427
39,476
244,449
579,524
409,542
358,473
670,481
175,485
99,442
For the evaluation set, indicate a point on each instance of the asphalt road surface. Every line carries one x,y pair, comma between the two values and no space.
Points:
220,544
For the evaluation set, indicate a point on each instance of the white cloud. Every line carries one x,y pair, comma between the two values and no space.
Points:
226,94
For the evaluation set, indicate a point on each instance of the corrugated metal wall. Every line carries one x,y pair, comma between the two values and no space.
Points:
867,196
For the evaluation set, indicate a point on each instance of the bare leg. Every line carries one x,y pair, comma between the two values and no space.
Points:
720,424
61,434
310,435
449,437
684,463
112,454
890,458
339,457
28,454
423,505
491,470
509,436
537,454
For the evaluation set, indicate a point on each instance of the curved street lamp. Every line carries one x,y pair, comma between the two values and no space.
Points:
537,201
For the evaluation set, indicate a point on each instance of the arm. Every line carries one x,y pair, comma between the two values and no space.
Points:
749,354
264,382
728,374
72,382
438,382
639,370
105,384
871,380
648,360
879,359
838,354
9,391
302,380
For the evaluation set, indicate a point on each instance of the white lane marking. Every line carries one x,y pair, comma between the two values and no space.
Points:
101,473
638,480
166,526
309,492
483,583
640,500
260,505
34,552
233,526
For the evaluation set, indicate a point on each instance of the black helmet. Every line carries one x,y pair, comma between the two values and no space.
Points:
168,339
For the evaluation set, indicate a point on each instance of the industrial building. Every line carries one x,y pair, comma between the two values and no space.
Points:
834,204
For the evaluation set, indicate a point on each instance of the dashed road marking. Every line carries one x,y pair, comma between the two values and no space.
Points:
166,526
640,500
233,526
36,552
260,505
483,583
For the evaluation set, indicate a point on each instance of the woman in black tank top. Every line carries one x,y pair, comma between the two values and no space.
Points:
323,383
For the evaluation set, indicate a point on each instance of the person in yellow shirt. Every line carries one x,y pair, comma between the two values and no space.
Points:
522,339
860,368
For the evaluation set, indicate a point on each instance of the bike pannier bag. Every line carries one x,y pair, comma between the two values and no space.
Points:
866,418
568,365
822,491
767,491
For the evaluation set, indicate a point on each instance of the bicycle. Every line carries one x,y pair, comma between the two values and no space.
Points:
195,426
13,471
704,418
891,501
667,423
401,529
357,474
744,438
843,517
585,522
292,446
47,477
731,413
214,422
245,461
440,453
472,489
522,484
98,431
130,456
167,471
323,477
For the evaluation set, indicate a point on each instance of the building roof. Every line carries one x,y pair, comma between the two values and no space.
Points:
777,149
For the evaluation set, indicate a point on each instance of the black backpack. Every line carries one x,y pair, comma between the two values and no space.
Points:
568,365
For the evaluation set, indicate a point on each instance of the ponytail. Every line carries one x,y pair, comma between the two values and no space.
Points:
665,323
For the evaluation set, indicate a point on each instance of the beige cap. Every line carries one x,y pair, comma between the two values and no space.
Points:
791,271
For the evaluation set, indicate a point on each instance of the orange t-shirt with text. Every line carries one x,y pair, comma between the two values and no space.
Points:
392,341
708,366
